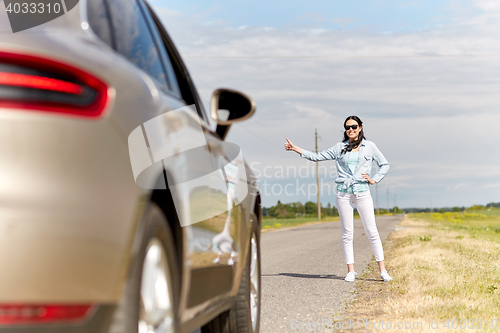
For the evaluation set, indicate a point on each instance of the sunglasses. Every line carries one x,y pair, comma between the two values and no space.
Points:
349,127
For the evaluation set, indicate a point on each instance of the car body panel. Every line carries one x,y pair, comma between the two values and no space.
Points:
70,208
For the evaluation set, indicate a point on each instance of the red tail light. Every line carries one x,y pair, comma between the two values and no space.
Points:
12,314
35,83
39,82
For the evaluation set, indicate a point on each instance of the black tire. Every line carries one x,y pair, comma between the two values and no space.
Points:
126,315
239,318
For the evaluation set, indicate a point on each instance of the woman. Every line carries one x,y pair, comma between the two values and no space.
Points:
354,157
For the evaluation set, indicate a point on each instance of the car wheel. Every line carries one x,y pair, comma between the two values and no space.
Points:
149,302
244,316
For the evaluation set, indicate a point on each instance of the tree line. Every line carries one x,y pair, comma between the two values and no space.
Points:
310,209
298,209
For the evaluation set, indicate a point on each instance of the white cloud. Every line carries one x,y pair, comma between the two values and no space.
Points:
344,20
429,100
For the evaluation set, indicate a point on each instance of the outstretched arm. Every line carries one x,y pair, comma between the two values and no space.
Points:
328,154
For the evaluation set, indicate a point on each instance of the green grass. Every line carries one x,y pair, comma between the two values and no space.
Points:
478,224
490,211
271,223
446,265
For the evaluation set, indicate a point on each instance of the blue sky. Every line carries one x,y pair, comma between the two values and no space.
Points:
383,16
424,77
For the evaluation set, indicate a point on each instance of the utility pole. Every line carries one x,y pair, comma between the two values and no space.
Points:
395,203
388,204
378,208
431,205
317,174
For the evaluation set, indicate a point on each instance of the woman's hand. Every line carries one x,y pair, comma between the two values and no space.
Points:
370,181
290,146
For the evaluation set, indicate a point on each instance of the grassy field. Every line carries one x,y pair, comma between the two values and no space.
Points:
446,267
491,212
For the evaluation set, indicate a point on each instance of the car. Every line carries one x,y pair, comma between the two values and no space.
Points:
122,206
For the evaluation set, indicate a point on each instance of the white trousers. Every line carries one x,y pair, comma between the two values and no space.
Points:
364,204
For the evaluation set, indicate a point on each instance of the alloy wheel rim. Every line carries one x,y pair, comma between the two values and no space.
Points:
254,283
156,311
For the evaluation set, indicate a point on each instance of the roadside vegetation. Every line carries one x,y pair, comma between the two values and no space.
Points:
446,267
298,209
296,213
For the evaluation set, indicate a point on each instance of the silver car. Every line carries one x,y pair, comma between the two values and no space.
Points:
122,208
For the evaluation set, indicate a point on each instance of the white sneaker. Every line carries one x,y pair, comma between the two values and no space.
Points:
216,260
351,276
230,262
385,276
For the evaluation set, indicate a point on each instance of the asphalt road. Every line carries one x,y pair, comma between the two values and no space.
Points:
303,271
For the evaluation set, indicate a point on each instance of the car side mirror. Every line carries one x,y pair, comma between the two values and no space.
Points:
230,106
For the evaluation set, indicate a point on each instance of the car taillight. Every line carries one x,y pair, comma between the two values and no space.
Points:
12,314
35,83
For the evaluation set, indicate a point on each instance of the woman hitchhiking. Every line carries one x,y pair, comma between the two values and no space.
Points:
354,157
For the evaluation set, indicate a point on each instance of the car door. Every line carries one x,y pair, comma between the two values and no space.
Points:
196,162
172,141
215,237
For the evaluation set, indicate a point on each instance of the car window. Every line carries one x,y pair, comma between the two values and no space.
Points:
174,87
185,84
99,20
133,38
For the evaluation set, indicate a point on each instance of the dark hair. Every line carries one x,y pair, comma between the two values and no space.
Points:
357,142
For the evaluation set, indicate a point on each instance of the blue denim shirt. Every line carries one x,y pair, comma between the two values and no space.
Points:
368,152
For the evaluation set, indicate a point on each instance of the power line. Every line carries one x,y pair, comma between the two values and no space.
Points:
206,85
266,152
240,34
272,143
349,57
241,127
269,129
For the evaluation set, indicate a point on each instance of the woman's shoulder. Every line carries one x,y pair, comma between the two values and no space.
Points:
369,143
339,145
